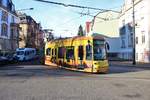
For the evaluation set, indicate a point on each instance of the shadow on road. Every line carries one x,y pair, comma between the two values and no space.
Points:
29,70
126,66
36,69
30,62
121,69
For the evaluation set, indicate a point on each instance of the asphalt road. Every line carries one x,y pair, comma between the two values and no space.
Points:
39,82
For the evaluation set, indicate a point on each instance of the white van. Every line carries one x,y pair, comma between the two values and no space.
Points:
23,54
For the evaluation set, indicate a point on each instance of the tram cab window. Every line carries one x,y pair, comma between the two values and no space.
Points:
70,53
88,52
48,51
80,52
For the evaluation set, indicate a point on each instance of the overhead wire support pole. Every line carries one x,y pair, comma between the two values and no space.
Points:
133,16
75,6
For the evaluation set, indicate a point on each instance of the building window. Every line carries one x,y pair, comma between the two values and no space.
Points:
136,55
131,37
123,44
13,8
143,39
129,41
4,29
136,40
123,22
9,6
130,27
4,16
142,18
143,36
13,19
12,33
4,2
22,18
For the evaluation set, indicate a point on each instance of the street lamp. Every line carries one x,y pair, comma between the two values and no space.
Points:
133,31
25,9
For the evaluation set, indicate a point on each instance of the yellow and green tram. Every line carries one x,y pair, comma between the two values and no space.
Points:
81,53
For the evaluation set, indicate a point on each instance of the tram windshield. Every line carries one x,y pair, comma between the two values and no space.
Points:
99,51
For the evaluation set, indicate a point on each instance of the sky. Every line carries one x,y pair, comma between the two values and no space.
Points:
64,21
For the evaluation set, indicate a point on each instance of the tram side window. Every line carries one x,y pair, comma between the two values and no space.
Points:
48,51
80,52
52,51
61,52
88,52
70,53
55,51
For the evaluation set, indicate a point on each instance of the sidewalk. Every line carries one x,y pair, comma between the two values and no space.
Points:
129,64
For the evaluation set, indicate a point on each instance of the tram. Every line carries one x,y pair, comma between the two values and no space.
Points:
80,53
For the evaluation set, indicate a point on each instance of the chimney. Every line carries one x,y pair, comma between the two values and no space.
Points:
88,27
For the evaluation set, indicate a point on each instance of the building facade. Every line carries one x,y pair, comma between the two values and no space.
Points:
48,35
8,27
106,24
30,33
142,30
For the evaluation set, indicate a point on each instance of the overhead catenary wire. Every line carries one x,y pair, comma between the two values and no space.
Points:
69,21
88,14
75,6
82,7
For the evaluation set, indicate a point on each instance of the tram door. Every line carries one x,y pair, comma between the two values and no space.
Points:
80,57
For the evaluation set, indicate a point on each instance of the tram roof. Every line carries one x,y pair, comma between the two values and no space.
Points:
79,37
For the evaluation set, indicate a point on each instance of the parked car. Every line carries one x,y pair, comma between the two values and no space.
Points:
6,58
25,54
3,60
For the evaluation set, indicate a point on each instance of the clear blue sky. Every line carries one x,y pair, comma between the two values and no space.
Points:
64,20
